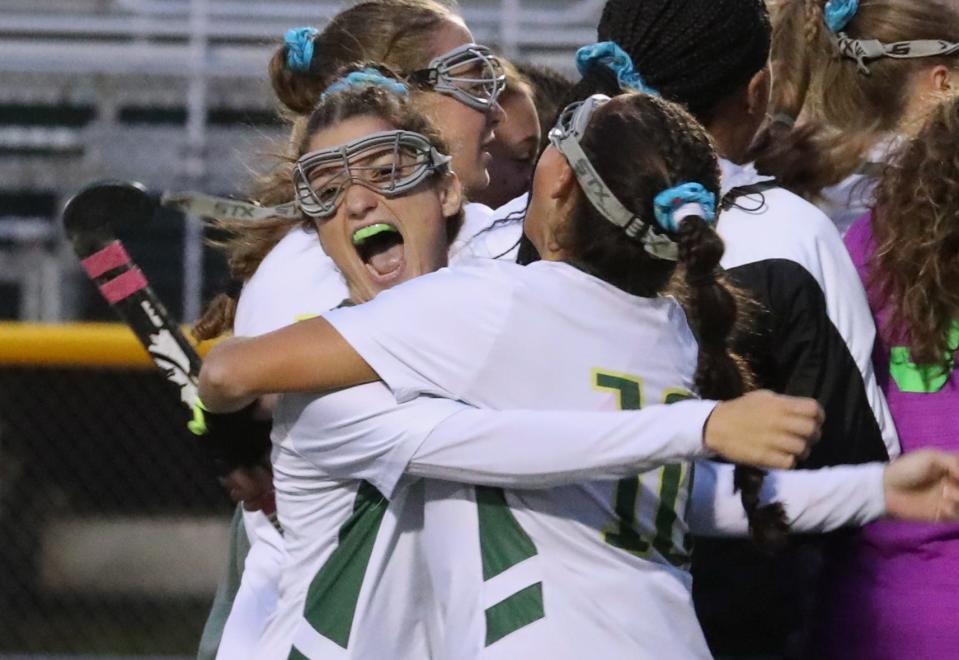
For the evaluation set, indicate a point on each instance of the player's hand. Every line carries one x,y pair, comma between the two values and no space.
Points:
923,486
231,440
251,486
764,429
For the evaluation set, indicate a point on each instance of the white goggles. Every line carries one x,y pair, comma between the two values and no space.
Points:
470,73
565,136
390,163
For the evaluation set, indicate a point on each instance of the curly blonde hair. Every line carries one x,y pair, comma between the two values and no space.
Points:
915,267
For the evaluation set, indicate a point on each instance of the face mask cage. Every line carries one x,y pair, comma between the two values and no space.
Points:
565,136
470,73
390,163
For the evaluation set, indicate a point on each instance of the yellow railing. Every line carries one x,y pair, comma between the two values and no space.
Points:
74,345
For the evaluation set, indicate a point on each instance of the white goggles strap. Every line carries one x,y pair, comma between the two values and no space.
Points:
598,193
861,50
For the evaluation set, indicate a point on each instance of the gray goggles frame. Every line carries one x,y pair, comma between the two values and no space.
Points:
565,136
440,77
429,161
862,50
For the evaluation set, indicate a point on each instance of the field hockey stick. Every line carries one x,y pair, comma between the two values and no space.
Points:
90,220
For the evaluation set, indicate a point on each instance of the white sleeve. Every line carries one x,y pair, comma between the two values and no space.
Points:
361,432
430,335
541,449
295,280
816,501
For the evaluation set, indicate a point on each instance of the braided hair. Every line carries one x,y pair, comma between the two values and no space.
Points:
641,145
694,52
698,53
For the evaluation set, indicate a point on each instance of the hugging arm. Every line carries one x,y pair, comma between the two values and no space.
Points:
309,356
922,486
541,449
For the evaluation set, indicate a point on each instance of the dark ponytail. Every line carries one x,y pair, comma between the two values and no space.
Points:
717,311
640,146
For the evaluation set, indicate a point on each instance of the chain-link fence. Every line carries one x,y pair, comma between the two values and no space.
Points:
113,534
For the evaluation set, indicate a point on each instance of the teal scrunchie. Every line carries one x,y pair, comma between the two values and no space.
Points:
838,13
368,78
299,48
666,203
616,60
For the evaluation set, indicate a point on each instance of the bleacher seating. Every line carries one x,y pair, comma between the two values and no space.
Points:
94,89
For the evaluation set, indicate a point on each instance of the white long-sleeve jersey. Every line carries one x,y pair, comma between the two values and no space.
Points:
595,569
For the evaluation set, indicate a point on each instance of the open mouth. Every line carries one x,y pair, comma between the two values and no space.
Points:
380,247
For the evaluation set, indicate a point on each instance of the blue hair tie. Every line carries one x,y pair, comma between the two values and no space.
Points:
838,13
669,201
299,48
367,78
616,60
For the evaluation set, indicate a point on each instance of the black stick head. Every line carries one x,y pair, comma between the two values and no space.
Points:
92,216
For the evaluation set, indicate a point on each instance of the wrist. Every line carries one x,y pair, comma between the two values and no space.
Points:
711,438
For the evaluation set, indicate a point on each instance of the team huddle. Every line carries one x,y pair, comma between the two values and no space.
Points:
515,432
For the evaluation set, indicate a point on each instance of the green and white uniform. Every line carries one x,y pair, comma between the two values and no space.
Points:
593,570
354,583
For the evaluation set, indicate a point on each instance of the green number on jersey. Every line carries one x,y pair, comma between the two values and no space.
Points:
626,535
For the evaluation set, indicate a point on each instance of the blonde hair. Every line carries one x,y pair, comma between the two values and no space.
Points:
848,111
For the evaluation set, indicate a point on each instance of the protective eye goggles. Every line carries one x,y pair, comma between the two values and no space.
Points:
390,163
470,73
565,136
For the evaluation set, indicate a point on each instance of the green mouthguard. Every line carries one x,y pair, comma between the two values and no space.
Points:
361,235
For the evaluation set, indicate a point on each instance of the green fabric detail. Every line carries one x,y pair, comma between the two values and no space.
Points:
630,392
625,536
666,517
922,378
197,425
688,537
677,396
503,543
361,235
226,590
295,654
519,610
333,594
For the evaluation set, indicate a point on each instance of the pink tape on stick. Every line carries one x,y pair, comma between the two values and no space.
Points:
124,285
112,256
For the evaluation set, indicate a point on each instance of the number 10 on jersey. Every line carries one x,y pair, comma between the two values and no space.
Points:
625,533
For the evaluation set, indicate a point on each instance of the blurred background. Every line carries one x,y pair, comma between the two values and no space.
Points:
112,539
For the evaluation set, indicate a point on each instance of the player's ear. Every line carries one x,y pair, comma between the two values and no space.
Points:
563,186
450,192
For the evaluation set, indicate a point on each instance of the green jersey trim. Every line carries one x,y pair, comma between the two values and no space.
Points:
922,378
514,612
295,654
335,590
503,543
